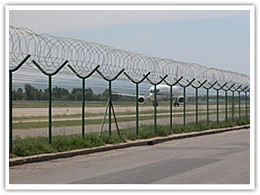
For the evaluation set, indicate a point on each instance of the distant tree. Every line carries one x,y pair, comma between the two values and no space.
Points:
28,92
60,93
104,95
75,90
56,92
32,93
78,96
89,95
19,94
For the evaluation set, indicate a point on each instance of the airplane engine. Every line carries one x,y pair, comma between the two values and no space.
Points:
180,99
141,99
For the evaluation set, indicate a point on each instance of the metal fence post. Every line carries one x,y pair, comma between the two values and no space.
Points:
110,99
208,88
171,85
239,107
155,100
246,103
136,97
197,107
217,89
232,106
217,106
242,90
184,96
83,108
171,106
50,93
11,101
197,103
184,106
83,95
50,106
137,109
155,109
226,102
226,109
233,100
207,106
109,107
10,113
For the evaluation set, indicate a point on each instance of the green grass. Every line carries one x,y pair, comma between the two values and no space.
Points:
61,143
65,104
72,123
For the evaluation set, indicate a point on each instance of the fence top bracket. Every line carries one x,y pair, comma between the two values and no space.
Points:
220,86
175,83
114,78
49,74
137,82
200,84
188,84
20,64
83,77
210,85
162,79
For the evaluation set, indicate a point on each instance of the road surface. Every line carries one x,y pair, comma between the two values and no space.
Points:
212,159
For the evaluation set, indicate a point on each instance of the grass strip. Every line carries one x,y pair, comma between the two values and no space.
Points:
60,104
61,143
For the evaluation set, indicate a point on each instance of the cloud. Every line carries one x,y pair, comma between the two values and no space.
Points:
48,21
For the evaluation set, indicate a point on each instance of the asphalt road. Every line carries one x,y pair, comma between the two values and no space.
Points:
212,159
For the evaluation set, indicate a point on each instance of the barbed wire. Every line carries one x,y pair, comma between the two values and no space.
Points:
50,52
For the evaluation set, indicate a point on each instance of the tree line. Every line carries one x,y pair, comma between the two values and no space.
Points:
63,94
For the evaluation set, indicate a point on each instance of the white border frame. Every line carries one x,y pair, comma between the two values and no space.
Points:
250,186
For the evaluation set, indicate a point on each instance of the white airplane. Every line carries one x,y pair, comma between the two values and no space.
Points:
162,93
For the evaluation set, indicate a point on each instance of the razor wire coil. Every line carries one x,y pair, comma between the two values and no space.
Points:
50,52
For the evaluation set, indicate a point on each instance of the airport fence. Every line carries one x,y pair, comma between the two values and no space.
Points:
208,93
233,100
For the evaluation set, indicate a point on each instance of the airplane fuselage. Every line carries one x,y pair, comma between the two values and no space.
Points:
163,92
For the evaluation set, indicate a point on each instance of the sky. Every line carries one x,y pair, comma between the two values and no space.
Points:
219,39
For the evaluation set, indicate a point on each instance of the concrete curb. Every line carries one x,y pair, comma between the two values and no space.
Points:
151,141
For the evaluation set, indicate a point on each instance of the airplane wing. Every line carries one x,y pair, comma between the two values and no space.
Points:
126,95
